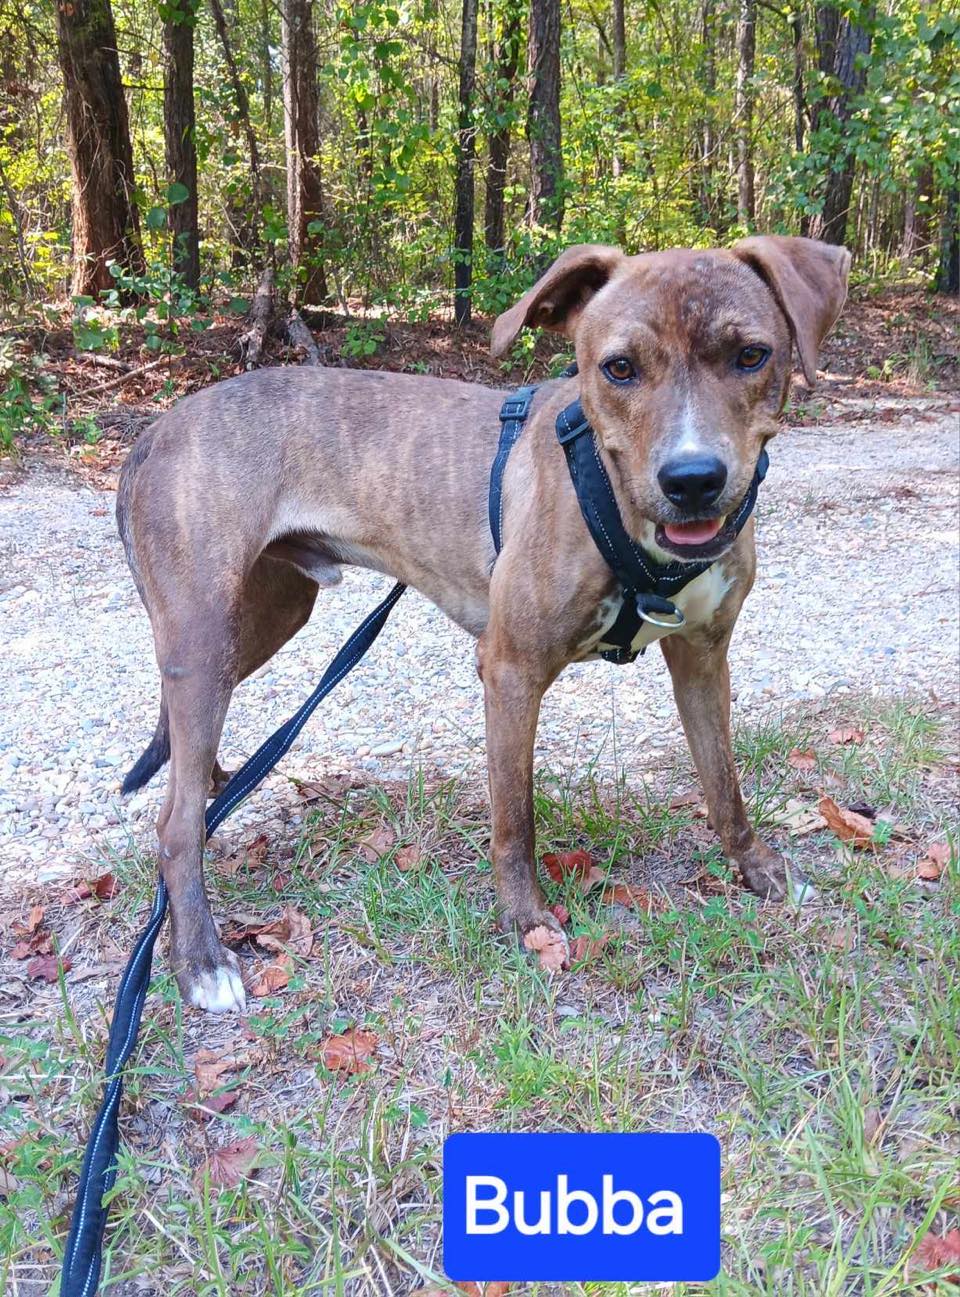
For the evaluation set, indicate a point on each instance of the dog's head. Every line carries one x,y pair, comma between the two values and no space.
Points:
685,362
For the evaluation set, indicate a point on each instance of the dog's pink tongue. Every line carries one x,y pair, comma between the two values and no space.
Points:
691,533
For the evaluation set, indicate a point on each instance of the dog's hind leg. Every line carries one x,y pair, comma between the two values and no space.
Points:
198,663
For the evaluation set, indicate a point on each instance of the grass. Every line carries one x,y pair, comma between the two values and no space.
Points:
821,1045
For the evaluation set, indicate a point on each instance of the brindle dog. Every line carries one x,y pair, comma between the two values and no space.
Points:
245,499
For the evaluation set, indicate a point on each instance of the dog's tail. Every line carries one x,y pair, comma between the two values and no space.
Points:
156,755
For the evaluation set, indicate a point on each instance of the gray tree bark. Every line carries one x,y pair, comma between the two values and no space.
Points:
466,160
543,116
179,128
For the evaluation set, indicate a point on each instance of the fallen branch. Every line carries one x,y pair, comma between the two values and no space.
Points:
261,313
123,378
301,337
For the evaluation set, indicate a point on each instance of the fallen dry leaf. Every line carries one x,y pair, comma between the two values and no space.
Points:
45,966
39,942
634,898
550,947
103,888
577,864
272,978
209,1066
560,913
350,1051
491,1288
291,932
201,1107
31,923
583,948
798,818
935,1251
934,862
849,826
377,844
228,1165
408,858
802,759
846,734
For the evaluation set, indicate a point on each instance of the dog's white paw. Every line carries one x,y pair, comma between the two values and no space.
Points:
800,890
219,991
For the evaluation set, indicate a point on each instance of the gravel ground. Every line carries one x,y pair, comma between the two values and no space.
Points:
856,593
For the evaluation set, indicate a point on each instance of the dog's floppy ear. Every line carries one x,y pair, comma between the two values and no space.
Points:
558,297
809,281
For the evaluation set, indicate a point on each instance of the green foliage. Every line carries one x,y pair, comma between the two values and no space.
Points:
29,401
635,172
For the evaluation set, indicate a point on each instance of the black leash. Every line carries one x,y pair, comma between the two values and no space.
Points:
84,1251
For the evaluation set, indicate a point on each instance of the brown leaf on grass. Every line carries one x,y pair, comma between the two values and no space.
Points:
408,858
330,788
634,898
935,1251
550,947
350,1051
560,913
230,1164
38,943
802,759
201,1107
377,844
31,924
45,966
103,888
934,862
846,734
292,931
682,800
576,864
272,978
209,1067
849,826
583,948
491,1288
798,818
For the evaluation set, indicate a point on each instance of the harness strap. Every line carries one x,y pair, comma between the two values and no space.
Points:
513,415
84,1251
647,585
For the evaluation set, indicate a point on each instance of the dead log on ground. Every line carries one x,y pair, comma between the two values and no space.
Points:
261,313
301,338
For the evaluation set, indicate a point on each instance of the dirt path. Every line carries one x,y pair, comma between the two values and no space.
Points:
856,592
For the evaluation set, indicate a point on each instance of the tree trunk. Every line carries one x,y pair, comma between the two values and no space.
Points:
301,119
505,70
543,117
948,271
707,134
249,234
839,43
743,107
619,73
105,222
179,128
466,157
916,215
799,100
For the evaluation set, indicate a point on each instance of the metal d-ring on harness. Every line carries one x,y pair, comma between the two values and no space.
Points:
647,586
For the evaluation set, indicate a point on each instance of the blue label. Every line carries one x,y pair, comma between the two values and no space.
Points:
530,1208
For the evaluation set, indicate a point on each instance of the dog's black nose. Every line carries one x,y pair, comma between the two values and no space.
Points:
693,484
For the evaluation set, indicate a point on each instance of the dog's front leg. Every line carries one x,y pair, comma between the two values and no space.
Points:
512,691
701,686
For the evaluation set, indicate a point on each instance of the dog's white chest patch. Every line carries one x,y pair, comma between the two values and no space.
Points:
698,601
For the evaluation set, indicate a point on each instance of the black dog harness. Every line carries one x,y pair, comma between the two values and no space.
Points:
647,586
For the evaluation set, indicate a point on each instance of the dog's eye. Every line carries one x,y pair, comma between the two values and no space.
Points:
753,358
619,369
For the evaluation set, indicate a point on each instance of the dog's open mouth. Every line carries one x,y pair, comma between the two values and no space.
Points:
704,538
